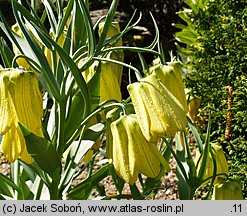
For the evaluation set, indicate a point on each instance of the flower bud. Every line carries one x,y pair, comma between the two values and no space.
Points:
193,106
113,30
228,190
159,109
131,153
109,86
20,101
20,61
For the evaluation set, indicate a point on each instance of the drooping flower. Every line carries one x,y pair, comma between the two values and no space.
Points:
20,101
160,103
222,166
171,77
131,152
228,190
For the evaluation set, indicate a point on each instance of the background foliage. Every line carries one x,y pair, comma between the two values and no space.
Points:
217,59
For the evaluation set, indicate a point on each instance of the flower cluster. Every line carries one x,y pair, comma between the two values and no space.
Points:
160,111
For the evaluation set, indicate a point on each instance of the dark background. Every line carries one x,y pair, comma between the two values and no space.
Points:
164,12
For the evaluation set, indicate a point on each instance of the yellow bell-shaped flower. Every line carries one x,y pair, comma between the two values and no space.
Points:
171,76
131,152
193,106
228,190
20,101
159,106
222,166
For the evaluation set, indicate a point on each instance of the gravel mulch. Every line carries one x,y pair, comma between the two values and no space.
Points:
168,188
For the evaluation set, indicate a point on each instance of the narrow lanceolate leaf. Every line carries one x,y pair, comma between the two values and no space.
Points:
7,185
43,152
108,22
89,28
74,70
6,54
83,190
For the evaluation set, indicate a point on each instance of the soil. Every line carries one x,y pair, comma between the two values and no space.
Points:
168,188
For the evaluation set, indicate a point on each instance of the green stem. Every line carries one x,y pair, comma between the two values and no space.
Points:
135,193
61,131
55,193
89,117
16,176
39,191
71,163
178,163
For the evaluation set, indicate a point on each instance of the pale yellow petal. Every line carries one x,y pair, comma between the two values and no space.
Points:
7,111
124,159
109,86
23,103
12,144
158,111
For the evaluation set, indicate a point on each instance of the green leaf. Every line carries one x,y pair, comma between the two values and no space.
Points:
195,134
157,36
6,182
63,21
184,187
186,36
33,170
6,53
75,115
25,194
35,52
80,27
43,153
205,153
135,193
107,24
51,16
89,28
94,88
77,151
74,70
119,183
83,190
31,174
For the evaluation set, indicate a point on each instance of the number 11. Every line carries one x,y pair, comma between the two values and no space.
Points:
237,208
